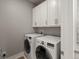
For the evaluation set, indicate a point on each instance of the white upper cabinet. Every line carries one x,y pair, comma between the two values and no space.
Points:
47,14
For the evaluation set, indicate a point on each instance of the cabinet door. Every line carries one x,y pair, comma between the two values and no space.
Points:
40,15
53,12
59,10
34,17
43,15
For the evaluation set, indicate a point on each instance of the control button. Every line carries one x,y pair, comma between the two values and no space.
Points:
42,42
30,37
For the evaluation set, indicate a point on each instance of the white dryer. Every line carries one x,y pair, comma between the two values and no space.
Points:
47,47
29,44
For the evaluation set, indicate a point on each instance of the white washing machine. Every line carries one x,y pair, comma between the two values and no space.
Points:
47,47
29,44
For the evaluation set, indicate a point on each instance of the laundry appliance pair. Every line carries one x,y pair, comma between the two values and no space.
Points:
38,46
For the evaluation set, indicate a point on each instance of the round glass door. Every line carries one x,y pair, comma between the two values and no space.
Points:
27,46
42,53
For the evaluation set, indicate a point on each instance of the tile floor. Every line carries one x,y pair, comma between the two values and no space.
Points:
17,56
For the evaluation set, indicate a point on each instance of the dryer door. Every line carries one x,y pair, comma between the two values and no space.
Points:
27,46
42,53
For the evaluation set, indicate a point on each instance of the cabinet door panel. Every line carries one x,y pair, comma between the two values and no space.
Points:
43,13
40,15
59,10
52,12
34,17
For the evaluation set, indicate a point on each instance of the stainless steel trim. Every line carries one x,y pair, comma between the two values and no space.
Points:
62,52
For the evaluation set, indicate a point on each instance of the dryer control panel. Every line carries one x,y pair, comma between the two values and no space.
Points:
49,44
42,42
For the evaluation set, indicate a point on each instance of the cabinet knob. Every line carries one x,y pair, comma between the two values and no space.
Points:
62,52
56,21
77,52
46,22
35,23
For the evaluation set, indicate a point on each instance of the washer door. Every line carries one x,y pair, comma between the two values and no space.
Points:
42,53
27,46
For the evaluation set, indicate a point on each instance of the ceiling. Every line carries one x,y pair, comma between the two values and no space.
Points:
36,1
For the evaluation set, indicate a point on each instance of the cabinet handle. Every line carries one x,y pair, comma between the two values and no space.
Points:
62,52
56,21
46,22
35,23
78,42
77,52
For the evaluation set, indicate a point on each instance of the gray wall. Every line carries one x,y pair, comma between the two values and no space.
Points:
15,21
78,19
